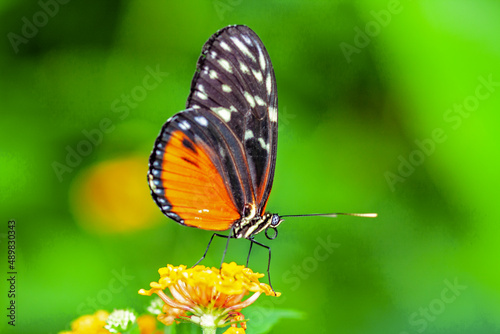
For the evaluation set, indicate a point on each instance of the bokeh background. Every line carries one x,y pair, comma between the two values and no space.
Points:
385,106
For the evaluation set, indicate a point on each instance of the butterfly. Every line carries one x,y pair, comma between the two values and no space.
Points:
212,166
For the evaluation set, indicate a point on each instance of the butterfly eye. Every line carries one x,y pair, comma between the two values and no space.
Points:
275,220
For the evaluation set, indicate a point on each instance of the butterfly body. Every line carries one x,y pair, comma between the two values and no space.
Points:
247,228
212,166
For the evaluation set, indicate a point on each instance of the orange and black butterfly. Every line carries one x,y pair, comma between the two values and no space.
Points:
212,166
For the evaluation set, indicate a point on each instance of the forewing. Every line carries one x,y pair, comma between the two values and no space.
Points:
235,82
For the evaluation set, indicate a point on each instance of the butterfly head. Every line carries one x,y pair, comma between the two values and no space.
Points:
248,227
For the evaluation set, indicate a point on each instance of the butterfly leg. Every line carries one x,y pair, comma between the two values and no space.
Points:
268,262
249,251
208,246
225,249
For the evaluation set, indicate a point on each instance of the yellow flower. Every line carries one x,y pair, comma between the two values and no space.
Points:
89,324
147,324
234,330
207,296
110,197
97,322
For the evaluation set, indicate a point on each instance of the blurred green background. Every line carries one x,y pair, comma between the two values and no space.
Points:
385,106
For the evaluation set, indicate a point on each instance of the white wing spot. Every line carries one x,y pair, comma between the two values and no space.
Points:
249,134
244,68
195,106
184,125
273,114
213,54
212,74
201,95
262,60
201,120
201,92
233,108
257,75
268,83
205,70
247,39
225,65
225,46
243,48
223,112
222,152
263,144
259,101
250,99
226,88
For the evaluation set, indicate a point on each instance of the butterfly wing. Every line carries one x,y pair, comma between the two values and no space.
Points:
187,175
218,156
235,80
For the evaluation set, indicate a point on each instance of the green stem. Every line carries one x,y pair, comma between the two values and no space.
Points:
209,329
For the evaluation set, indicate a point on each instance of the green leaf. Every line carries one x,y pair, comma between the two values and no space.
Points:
262,320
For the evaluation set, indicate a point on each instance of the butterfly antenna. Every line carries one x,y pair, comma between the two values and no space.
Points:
334,215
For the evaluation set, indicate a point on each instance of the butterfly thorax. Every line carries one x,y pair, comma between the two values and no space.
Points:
248,227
